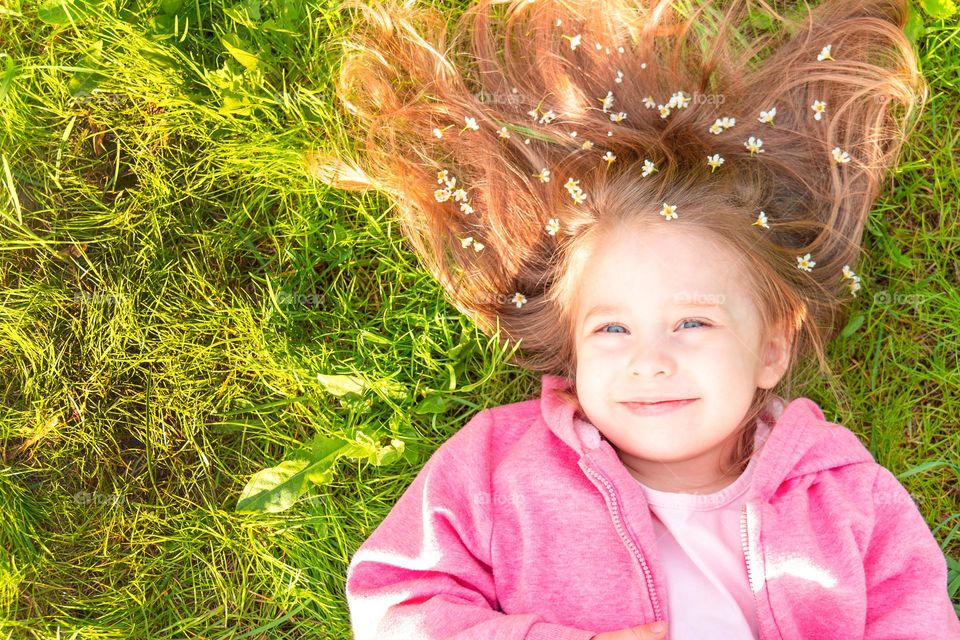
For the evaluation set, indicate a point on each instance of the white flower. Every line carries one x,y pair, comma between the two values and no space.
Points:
548,117
609,157
558,22
532,113
617,117
804,263
714,161
854,279
607,101
442,175
825,53
466,242
572,186
460,195
471,123
761,221
669,211
587,145
767,116
664,110
437,132
466,208
574,41
519,299
819,107
754,145
716,128
648,168
679,100
504,132
553,225
619,78
573,134
643,65
478,247
599,46
649,102
840,157
442,195
620,49
543,175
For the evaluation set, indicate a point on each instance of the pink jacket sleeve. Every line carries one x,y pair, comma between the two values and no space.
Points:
906,571
425,571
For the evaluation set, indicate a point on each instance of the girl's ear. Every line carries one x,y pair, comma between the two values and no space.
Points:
775,358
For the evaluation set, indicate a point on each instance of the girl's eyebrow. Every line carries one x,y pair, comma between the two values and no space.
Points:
613,308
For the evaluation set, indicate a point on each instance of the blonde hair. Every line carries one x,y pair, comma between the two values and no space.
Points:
511,63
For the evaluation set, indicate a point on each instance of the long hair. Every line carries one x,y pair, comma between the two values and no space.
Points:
514,142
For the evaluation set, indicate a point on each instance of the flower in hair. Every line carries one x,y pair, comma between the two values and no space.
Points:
548,117
761,221
854,279
649,102
669,211
466,242
609,157
648,168
471,123
572,186
664,110
466,208
574,40
586,145
553,225
825,54
679,100
767,116
543,175
607,101
617,117
503,132
754,145
818,106
804,263
722,124
441,195
519,299
840,157
619,78
714,161
460,195
438,132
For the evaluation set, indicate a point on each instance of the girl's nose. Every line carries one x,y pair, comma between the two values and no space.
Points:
651,359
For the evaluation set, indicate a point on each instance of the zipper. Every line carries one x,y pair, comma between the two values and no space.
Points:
655,601
745,541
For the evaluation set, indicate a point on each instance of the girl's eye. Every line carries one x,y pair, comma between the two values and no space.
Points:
604,328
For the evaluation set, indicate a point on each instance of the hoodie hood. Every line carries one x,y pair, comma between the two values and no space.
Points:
801,441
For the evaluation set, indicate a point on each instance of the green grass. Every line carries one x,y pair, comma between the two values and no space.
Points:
172,282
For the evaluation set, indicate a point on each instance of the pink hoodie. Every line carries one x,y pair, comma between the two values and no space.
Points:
525,524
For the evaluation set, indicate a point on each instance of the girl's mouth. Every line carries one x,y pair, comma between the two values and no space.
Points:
656,408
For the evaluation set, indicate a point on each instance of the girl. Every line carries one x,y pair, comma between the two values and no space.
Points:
663,206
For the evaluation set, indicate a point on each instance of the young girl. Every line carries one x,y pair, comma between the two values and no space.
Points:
663,206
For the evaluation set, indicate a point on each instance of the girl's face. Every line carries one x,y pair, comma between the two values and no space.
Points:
665,315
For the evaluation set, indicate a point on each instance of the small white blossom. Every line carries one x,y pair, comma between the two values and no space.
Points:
587,145
503,132
574,41
519,299
767,116
840,157
543,175
553,225
669,211
618,117
754,145
664,110
607,101
804,263
649,102
761,221
819,107
548,117
471,123
609,158
825,53
619,78
648,168
714,161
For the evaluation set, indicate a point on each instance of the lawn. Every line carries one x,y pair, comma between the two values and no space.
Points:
183,305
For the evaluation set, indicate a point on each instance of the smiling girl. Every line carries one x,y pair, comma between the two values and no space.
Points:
663,205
